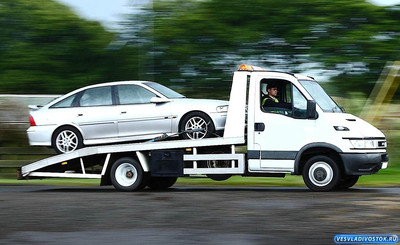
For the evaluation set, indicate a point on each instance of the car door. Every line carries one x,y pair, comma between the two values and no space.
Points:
280,133
138,116
95,113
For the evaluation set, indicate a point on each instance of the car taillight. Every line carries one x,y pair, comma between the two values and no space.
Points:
32,121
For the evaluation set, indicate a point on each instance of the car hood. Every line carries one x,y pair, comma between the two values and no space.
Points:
208,105
212,101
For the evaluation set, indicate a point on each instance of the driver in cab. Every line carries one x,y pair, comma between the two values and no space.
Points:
270,100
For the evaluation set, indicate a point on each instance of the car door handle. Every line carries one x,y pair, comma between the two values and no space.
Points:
79,115
123,112
259,127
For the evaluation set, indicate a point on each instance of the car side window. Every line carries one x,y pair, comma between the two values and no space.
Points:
100,96
65,103
134,94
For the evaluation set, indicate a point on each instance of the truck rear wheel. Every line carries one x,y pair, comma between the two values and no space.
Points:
161,183
347,182
127,175
321,173
219,164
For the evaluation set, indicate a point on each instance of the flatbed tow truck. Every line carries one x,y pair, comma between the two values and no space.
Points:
313,137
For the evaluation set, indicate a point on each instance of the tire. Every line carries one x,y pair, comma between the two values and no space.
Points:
67,139
218,164
196,125
161,183
127,175
321,173
347,182
219,177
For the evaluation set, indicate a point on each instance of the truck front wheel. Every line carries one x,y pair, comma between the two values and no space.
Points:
127,175
321,173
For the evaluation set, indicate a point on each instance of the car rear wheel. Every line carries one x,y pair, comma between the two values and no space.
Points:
196,125
67,139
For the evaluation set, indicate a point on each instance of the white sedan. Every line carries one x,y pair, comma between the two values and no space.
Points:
122,111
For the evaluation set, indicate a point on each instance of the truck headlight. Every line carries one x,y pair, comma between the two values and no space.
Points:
222,108
363,144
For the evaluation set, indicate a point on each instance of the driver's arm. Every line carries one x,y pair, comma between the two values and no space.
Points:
271,103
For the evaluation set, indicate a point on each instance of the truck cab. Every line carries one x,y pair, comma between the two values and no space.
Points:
306,133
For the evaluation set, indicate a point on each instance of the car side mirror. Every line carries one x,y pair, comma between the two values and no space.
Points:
158,100
312,109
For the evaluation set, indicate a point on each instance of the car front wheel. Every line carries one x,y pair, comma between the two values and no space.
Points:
196,125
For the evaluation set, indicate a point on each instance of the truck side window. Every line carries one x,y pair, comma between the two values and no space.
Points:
276,96
299,104
288,93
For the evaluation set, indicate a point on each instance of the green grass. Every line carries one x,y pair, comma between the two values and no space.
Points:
56,182
385,178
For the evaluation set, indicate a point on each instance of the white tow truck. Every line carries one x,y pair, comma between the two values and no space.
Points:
313,137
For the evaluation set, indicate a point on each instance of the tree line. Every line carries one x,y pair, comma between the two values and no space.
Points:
194,46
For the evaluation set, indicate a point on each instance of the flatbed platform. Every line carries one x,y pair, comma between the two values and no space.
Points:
35,169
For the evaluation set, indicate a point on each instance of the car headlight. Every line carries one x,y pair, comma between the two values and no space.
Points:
222,108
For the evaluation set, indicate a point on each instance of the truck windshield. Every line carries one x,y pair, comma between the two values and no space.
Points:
326,103
167,92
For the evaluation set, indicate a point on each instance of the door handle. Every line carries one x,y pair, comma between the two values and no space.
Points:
259,127
79,115
123,112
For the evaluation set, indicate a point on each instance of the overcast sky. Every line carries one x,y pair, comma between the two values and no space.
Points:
109,12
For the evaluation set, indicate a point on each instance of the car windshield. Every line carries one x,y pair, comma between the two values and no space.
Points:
326,103
167,92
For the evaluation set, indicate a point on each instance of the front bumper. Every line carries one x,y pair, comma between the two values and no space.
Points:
219,120
364,163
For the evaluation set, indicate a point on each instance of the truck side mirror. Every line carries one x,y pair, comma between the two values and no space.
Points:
312,109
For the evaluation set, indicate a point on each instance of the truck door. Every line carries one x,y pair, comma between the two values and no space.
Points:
280,129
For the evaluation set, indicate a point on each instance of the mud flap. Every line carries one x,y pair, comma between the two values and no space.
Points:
166,163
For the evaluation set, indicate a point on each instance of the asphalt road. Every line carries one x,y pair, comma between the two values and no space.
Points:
192,215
